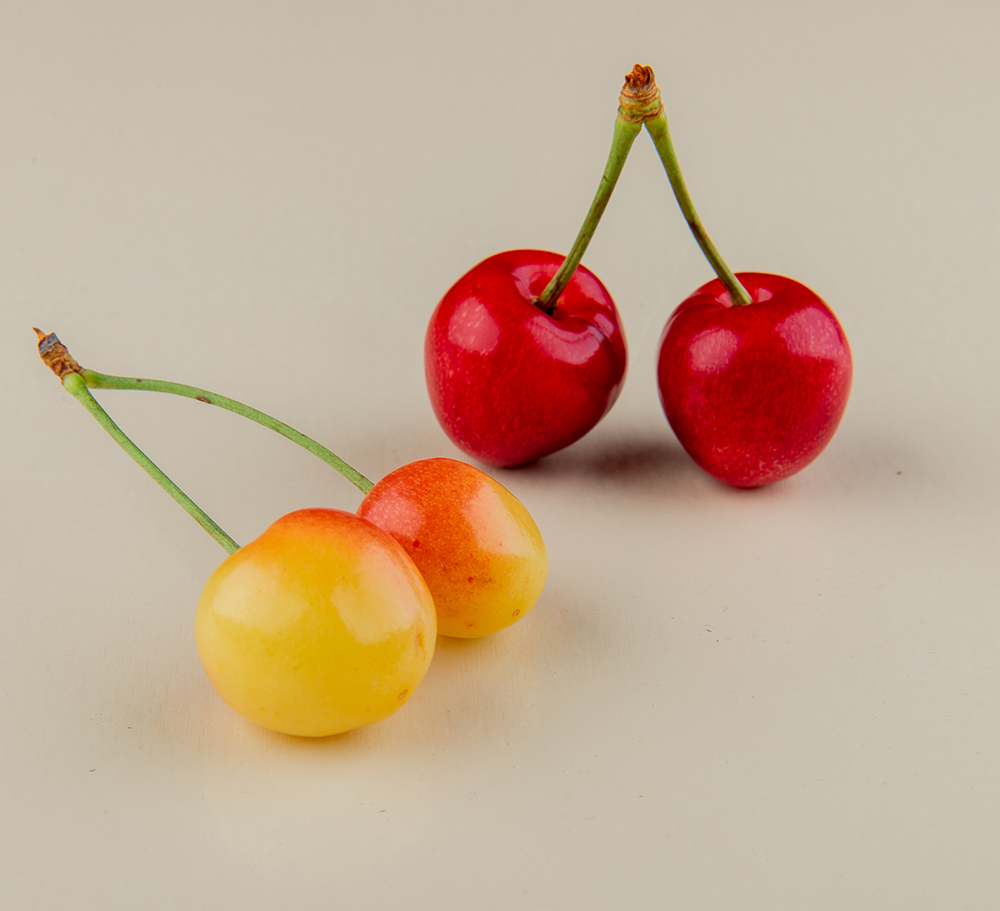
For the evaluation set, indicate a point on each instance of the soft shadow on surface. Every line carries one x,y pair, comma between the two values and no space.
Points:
646,458
649,456
861,464
631,459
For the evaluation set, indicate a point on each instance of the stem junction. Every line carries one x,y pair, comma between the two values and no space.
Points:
78,381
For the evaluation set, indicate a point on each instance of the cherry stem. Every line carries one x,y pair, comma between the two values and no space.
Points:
76,385
660,134
96,380
624,135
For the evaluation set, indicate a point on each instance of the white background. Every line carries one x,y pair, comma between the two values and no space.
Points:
778,699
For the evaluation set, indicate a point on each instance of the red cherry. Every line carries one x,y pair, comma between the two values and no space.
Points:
510,382
755,392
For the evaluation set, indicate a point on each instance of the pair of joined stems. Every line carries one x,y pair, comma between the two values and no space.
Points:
79,381
640,105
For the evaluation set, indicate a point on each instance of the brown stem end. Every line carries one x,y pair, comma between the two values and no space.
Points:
640,98
55,355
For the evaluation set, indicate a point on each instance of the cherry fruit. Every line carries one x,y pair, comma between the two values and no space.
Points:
754,370
754,393
477,547
320,625
510,382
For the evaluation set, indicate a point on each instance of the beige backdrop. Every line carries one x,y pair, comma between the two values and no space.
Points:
781,699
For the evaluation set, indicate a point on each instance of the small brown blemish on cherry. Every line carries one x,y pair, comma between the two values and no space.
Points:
517,612
403,695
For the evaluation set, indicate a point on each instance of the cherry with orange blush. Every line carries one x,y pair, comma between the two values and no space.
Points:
474,542
525,353
754,369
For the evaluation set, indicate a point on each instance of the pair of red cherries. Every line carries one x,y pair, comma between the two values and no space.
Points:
754,370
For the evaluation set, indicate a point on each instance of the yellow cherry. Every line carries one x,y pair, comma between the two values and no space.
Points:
321,625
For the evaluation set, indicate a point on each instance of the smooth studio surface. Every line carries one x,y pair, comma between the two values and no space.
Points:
774,699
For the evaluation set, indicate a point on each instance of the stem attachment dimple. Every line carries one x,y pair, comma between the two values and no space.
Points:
656,126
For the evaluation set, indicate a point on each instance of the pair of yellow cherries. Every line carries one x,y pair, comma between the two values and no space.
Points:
327,621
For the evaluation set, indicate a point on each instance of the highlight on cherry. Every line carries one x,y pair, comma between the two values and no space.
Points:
327,621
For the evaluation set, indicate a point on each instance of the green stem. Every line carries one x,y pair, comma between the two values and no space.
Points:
96,380
660,133
624,136
76,385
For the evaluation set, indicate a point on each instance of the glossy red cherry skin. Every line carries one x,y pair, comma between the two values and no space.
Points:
510,383
754,393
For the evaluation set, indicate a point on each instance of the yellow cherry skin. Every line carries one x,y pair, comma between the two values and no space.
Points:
477,547
321,625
